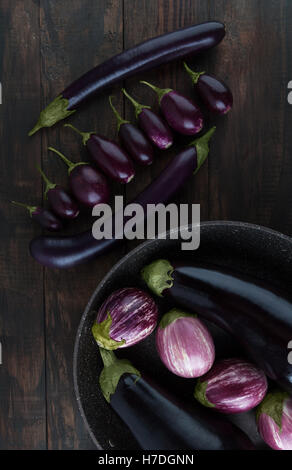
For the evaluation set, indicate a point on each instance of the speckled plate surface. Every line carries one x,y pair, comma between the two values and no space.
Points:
251,249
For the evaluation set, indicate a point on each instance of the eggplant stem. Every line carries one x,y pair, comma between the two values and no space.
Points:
194,75
108,357
54,112
70,164
160,91
85,135
118,116
138,107
49,184
31,209
202,147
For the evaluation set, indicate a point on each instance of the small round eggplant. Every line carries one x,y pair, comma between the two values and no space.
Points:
108,155
87,184
214,93
126,317
274,420
154,127
44,217
133,139
184,344
60,201
232,386
181,113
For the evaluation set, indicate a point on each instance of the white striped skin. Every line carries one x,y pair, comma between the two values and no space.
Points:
186,347
270,432
235,386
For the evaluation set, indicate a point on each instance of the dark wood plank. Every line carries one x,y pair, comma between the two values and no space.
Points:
72,42
22,378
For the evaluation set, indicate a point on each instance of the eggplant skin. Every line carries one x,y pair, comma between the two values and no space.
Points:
159,421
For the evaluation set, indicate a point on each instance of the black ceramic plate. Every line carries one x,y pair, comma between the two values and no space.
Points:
251,249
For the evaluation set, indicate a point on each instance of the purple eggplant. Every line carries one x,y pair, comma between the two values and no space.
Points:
65,252
184,344
88,186
108,155
214,93
159,420
60,201
127,317
274,420
133,139
44,217
257,314
144,56
181,113
154,127
232,386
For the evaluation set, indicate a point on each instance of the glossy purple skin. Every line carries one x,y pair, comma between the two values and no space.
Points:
137,145
88,185
277,439
47,219
134,315
186,347
62,203
214,93
235,386
182,114
111,158
155,128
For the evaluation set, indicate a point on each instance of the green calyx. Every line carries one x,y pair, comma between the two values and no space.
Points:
31,209
85,135
272,405
158,276
200,394
160,91
194,75
54,112
118,116
138,107
202,147
101,333
49,184
70,164
173,315
113,370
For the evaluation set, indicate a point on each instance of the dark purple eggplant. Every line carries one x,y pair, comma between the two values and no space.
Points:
214,93
133,139
108,155
60,201
154,127
147,55
258,315
88,185
157,419
44,217
65,252
181,113
125,318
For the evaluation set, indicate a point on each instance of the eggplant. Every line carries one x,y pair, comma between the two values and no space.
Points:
154,127
133,139
215,94
259,316
44,217
232,386
108,155
65,252
88,185
274,420
157,419
184,344
147,55
181,113
125,318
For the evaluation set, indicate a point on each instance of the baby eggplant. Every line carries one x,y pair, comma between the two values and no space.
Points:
214,93
44,217
181,113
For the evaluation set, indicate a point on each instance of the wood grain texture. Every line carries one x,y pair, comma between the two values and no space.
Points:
44,45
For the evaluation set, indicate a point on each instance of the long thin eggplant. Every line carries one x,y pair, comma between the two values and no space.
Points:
157,419
144,56
65,252
258,315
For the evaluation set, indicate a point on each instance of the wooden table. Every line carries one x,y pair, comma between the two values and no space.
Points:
43,46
